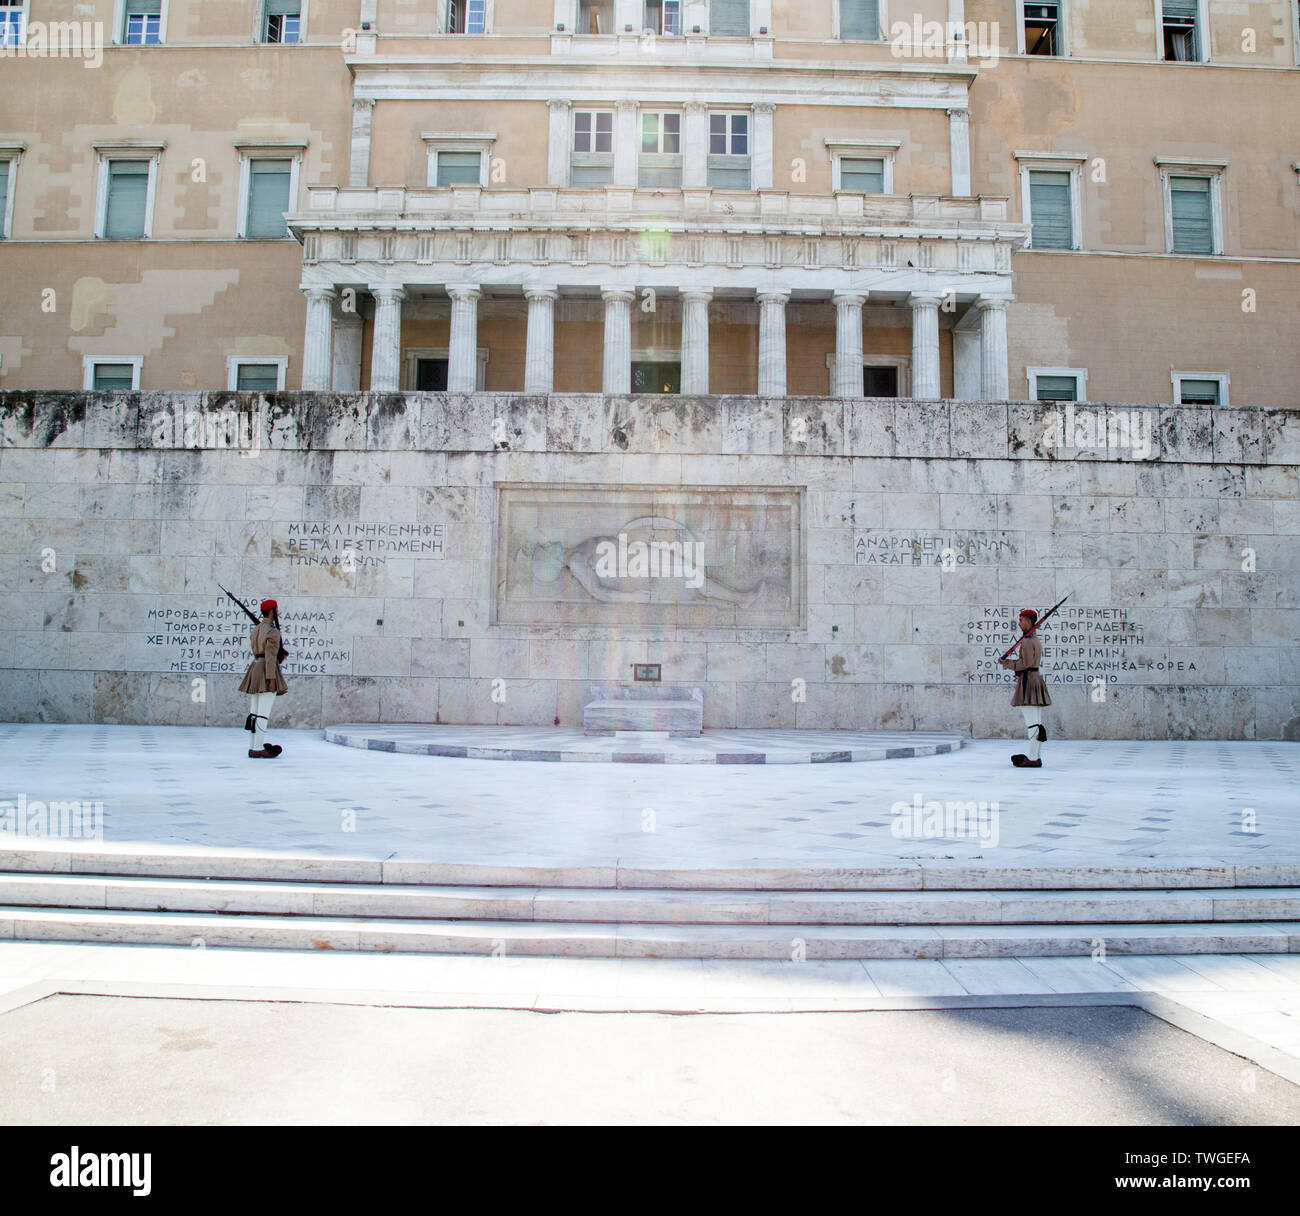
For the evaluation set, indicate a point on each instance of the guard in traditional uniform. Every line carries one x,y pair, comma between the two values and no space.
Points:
1031,692
263,681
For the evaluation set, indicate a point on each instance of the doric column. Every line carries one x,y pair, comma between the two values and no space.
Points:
771,341
363,109
847,378
557,148
695,145
617,375
993,348
761,150
627,143
925,346
959,150
957,50
695,339
462,360
539,359
347,353
386,348
317,343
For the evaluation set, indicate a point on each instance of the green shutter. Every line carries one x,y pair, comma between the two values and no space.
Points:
459,168
864,175
1049,209
1189,199
1057,388
729,18
860,19
257,377
1198,392
283,8
1179,8
112,376
268,197
4,193
144,8
128,190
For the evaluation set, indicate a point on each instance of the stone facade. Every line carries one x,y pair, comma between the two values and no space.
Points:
921,528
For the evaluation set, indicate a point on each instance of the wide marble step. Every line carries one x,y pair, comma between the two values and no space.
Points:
650,906
605,940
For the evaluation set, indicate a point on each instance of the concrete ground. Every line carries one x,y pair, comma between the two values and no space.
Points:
92,1060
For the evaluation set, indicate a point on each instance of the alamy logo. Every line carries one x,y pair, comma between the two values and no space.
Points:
82,40
75,1168
1100,429
920,820
933,39
683,559
83,820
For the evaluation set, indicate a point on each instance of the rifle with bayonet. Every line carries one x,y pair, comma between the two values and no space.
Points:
282,654
1034,627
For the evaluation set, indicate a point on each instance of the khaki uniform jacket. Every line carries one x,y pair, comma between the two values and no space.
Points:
263,674
1030,687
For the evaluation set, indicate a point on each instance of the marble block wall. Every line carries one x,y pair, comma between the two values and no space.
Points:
863,560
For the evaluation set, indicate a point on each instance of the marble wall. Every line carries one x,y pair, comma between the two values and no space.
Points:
921,528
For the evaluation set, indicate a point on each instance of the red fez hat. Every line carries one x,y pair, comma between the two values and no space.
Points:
1029,612
270,606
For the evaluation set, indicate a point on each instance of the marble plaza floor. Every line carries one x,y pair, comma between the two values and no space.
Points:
1094,802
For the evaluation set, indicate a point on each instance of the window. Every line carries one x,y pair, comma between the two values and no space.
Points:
268,197
879,381
1182,41
729,18
431,375
142,23
664,17
126,216
7,166
11,25
595,16
864,174
1191,215
661,151
729,151
1057,383
656,377
466,16
1043,28
107,372
1050,210
282,21
264,375
591,162
459,169
1200,388
860,20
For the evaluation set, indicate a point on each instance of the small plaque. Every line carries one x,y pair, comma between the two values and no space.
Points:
651,672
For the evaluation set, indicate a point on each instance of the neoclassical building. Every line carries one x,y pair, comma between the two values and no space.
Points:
1086,199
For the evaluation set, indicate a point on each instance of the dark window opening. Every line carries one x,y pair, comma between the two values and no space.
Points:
656,377
880,382
431,375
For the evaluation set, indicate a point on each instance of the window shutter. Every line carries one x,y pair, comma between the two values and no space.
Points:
863,175
459,168
113,376
860,19
128,189
1198,392
729,18
1179,8
283,8
257,377
1189,199
1057,388
144,8
1049,210
268,197
4,192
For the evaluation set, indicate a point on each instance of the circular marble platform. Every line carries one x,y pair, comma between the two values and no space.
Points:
557,743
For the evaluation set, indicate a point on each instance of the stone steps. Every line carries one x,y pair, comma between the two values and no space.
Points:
109,894
663,906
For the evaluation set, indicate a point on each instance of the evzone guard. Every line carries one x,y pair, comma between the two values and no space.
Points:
1030,696
263,681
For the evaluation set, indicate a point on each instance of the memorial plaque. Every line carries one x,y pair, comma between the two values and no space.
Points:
652,556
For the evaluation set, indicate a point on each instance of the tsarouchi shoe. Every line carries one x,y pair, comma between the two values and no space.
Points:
1018,759
264,754
275,749
1026,762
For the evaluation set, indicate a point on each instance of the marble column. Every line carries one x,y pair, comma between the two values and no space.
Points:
925,346
557,149
847,380
359,155
761,146
347,353
993,349
695,145
695,339
771,341
318,340
539,359
386,347
957,50
462,360
627,143
617,375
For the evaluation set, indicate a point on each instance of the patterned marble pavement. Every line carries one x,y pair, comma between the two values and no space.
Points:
1096,802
